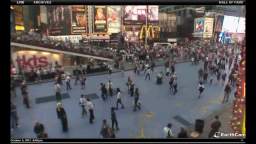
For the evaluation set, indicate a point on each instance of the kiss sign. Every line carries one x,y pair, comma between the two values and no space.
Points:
33,61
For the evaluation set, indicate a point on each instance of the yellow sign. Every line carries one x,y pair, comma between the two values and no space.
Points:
148,31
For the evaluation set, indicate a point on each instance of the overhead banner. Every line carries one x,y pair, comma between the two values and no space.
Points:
199,25
79,19
114,19
219,23
59,19
100,19
208,27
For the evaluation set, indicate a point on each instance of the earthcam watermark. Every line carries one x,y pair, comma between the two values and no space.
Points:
221,134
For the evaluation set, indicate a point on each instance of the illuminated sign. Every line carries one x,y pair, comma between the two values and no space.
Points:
79,19
100,19
114,19
59,19
199,25
150,31
208,27
34,59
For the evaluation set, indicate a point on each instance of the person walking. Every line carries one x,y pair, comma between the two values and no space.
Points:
90,106
26,99
205,76
104,129
61,114
171,84
215,127
83,79
175,86
168,131
77,77
110,88
148,71
103,91
14,117
114,119
223,76
132,89
200,89
57,91
200,74
119,100
68,86
136,100
82,102
227,92
183,133
38,129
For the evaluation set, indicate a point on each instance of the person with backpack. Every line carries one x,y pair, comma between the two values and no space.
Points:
200,89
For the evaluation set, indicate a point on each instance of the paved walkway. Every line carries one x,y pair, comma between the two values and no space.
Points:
158,106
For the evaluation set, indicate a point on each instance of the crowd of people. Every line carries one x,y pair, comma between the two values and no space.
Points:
216,62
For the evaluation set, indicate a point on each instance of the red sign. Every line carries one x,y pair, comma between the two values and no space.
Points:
32,62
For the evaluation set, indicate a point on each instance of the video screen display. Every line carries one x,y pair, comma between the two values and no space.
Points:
219,23
139,13
241,25
79,19
59,19
100,19
208,27
230,24
199,25
114,19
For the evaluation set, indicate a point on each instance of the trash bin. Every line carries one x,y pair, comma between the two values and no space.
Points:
199,125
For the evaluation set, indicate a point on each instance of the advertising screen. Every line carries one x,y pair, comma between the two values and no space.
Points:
218,23
241,25
59,19
79,19
18,18
230,24
153,13
114,19
139,13
208,27
199,25
100,19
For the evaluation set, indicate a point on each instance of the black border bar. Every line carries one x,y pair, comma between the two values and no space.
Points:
125,2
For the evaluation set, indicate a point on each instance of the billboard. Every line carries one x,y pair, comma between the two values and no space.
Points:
199,25
208,27
114,19
139,14
241,25
230,24
79,19
59,20
18,17
152,13
100,19
219,23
